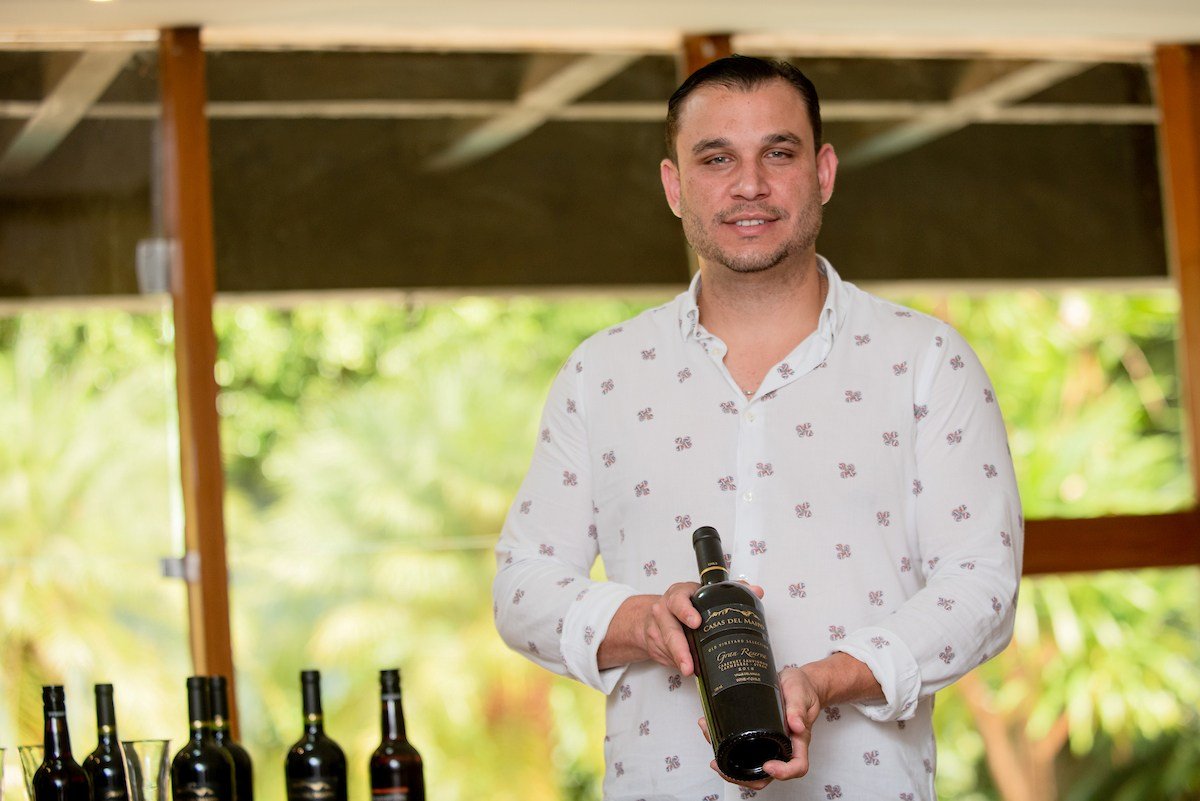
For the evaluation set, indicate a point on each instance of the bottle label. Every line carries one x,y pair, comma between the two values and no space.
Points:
312,790
733,646
389,794
197,792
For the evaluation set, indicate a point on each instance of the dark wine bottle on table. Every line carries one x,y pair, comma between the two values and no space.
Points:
202,770
735,672
396,770
243,769
315,769
60,777
105,766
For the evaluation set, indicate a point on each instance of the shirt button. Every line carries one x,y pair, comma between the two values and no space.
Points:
747,496
750,416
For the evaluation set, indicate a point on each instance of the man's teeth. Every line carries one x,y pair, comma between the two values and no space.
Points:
746,223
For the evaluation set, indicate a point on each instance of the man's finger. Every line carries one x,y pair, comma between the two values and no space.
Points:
756,785
677,647
679,604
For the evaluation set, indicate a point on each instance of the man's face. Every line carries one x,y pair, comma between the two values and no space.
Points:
748,185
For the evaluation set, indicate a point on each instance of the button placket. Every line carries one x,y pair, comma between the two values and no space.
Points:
749,525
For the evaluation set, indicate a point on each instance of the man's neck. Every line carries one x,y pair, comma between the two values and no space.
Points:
761,317
778,307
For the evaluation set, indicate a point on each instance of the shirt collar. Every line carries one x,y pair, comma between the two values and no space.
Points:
832,312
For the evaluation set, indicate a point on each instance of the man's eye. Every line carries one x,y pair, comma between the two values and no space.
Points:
719,160
779,154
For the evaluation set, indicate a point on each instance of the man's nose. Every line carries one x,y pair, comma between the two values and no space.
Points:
750,181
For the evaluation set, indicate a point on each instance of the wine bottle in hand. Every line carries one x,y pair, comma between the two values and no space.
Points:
315,768
59,778
735,672
104,766
202,770
396,770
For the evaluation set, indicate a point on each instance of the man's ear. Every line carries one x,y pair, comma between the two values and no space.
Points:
827,164
669,172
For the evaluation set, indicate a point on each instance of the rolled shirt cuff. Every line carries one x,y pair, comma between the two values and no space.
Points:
894,668
585,627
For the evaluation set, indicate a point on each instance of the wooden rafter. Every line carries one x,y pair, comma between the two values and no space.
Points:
1112,543
630,111
534,106
980,103
62,109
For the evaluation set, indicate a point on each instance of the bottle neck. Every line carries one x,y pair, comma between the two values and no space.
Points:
314,723
710,556
220,727
57,739
106,716
714,575
199,710
201,730
107,736
392,716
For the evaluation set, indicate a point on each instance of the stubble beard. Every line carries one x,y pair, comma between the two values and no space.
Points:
803,238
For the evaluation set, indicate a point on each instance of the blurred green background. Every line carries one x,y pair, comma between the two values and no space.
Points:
371,451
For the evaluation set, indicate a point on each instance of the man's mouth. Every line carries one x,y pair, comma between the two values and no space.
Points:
748,223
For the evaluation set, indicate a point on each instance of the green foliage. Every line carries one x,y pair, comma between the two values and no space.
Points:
365,513
86,471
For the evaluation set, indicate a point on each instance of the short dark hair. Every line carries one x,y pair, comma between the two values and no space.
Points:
745,73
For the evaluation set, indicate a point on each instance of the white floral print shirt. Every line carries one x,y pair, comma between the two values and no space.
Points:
867,486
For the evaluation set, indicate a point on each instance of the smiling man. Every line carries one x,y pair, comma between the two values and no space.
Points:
850,452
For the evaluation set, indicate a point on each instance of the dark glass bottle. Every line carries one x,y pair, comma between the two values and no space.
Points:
202,770
396,770
105,766
735,672
243,769
59,778
315,769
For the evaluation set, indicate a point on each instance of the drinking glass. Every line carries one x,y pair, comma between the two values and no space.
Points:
31,760
146,769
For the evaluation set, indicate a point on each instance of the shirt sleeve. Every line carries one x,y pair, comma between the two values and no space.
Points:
967,515
546,606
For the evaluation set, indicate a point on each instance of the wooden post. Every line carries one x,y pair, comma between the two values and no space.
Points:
1178,82
187,218
701,50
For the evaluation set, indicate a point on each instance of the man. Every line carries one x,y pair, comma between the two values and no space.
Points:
849,451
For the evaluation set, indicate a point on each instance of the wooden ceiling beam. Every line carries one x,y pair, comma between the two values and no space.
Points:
533,107
1120,542
614,111
970,106
62,109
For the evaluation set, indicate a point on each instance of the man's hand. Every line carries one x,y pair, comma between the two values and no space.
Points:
651,627
806,690
801,705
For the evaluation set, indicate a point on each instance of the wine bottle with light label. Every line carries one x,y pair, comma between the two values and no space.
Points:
315,768
104,765
396,769
59,778
243,769
735,671
202,770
